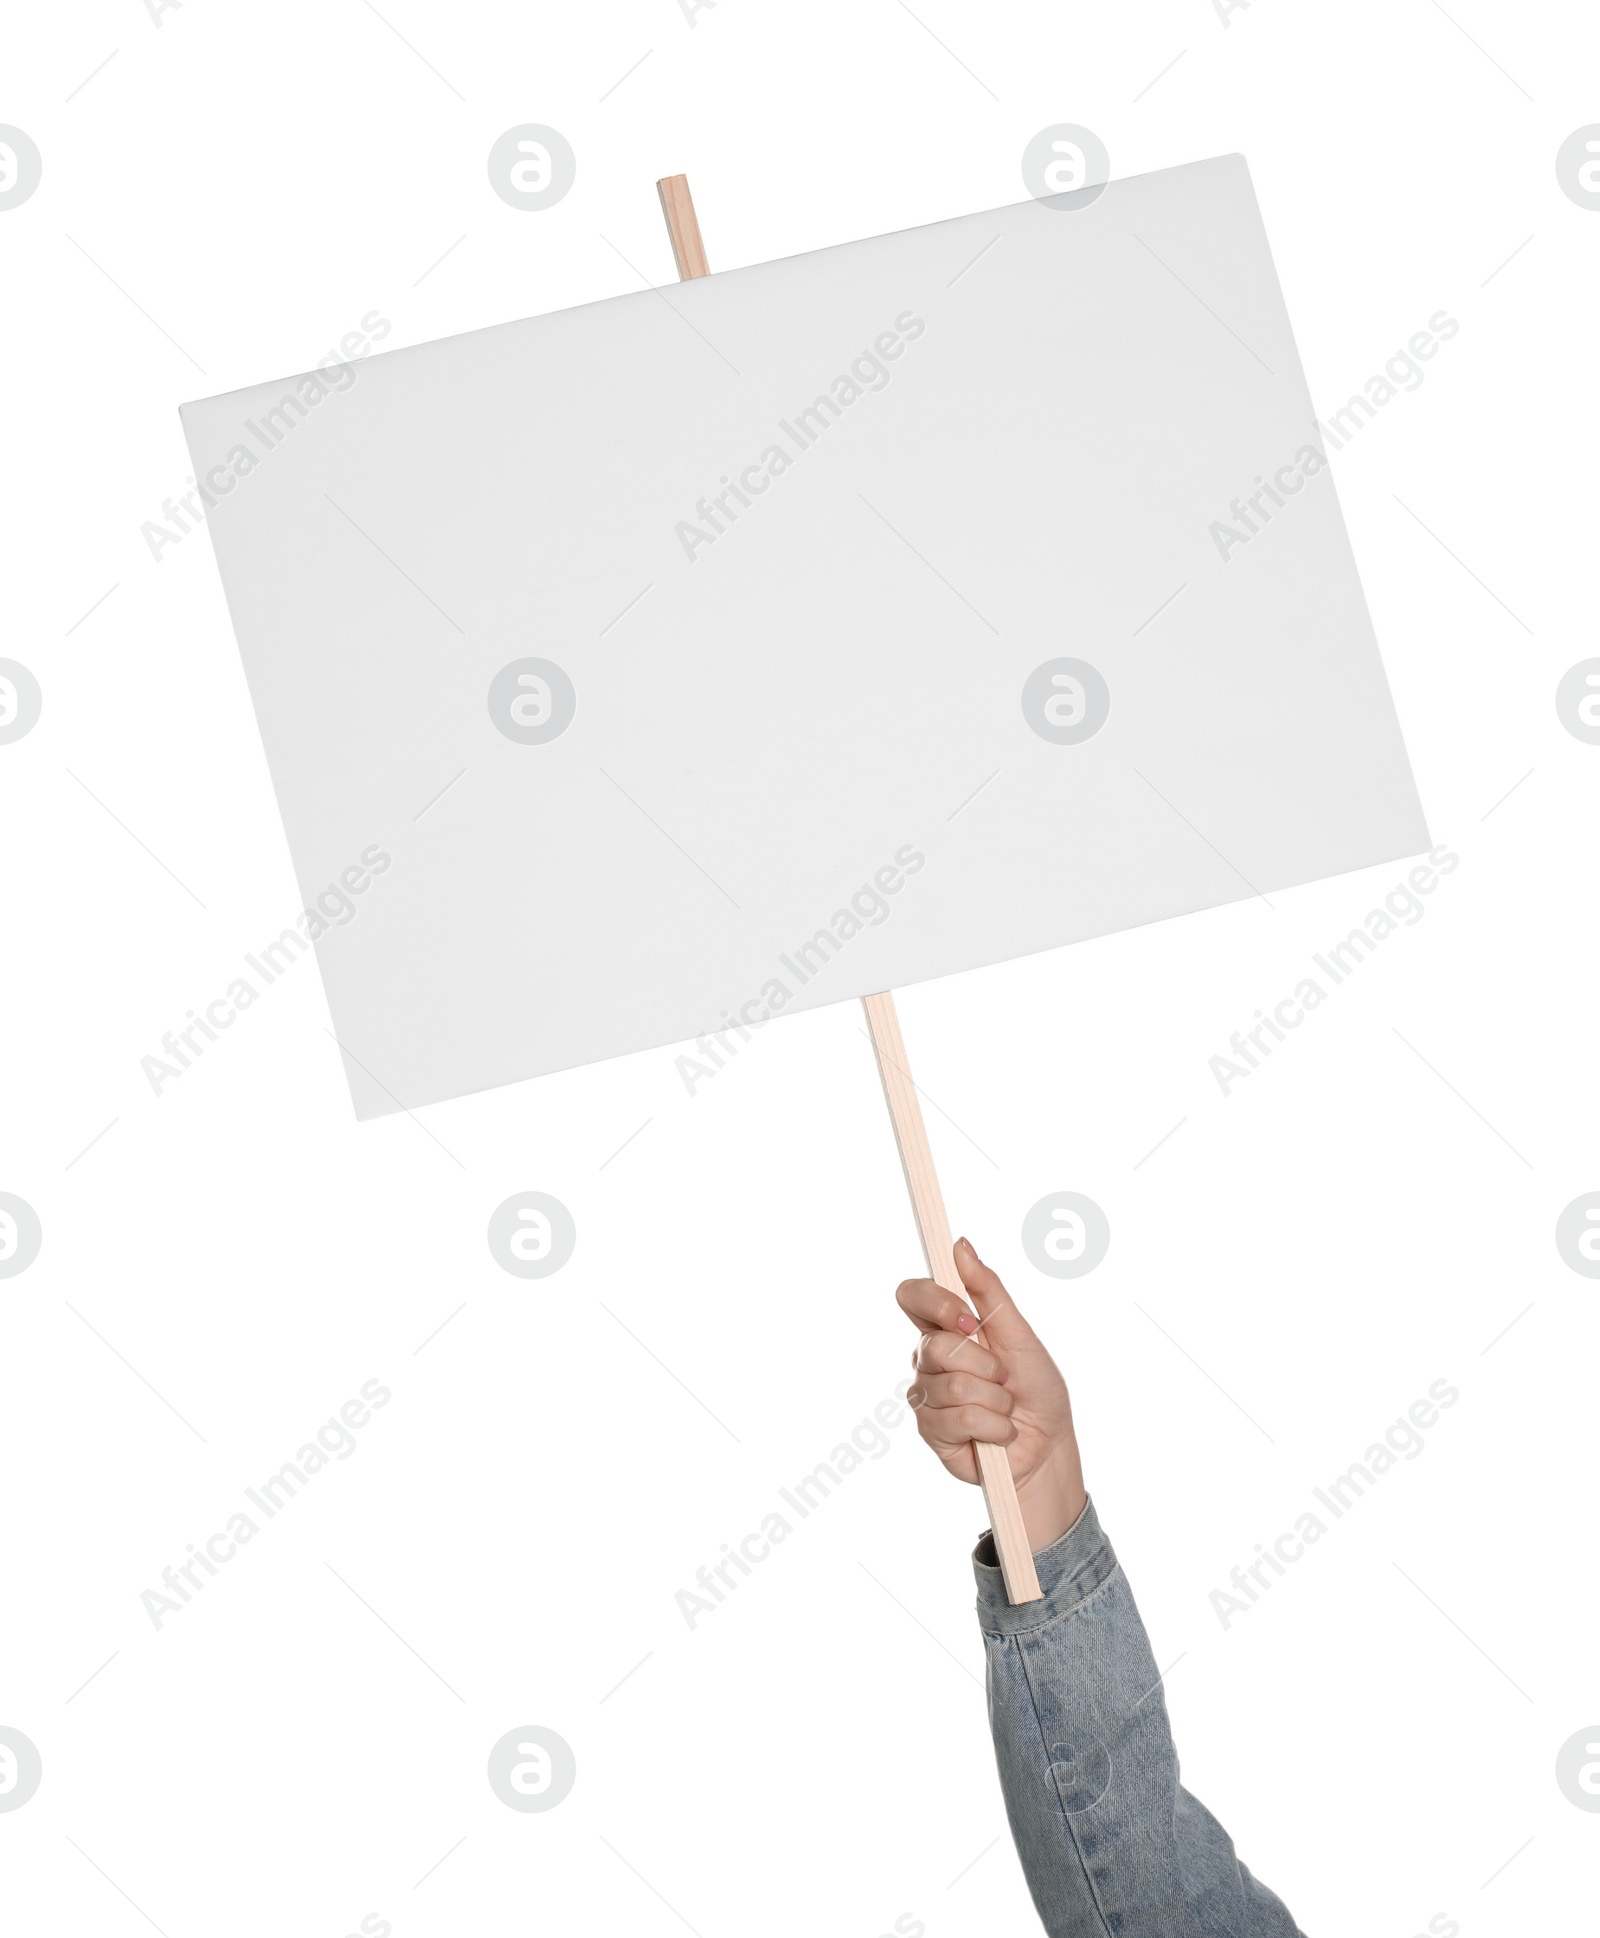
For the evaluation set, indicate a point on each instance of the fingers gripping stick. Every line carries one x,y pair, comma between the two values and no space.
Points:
999,1489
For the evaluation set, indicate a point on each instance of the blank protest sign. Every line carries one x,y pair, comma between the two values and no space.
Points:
800,631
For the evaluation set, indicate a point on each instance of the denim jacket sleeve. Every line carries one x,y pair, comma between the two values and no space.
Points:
1110,1841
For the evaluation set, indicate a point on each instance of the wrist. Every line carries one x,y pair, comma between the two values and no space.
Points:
1051,1498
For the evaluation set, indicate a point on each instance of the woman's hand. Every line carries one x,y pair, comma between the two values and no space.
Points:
1006,1390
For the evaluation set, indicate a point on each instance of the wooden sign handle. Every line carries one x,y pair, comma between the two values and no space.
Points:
927,1202
683,225
911,1134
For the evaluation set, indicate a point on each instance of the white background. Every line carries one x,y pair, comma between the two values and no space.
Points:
1295,1264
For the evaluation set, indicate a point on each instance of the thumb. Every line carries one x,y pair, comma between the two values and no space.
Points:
1004,1327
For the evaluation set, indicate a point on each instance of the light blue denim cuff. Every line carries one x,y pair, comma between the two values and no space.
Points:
1069,1571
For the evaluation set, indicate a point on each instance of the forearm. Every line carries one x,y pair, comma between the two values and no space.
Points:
1109,1839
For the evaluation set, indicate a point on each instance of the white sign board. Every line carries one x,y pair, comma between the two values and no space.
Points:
814,628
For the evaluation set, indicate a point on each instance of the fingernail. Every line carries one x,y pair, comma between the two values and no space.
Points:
967,1323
